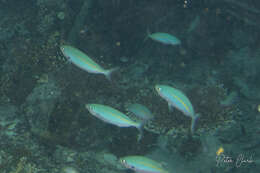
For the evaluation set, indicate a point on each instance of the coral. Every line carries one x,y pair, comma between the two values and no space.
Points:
207,101
24,167
189,147
79,22
20,166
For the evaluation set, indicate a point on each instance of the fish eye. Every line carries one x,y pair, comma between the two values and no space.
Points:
158,88
62,49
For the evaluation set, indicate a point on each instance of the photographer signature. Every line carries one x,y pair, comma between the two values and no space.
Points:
239,161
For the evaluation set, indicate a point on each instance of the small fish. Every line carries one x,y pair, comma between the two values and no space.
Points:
141,164
230,99
177,99
164,38
112,116
140,111
83,61
69,169
194,24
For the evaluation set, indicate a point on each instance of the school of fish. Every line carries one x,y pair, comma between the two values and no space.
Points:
174,97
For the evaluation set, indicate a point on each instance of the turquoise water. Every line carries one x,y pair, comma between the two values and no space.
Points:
208,50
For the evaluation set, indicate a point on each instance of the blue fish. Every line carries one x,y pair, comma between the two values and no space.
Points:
113,116
141,164
165,38
83,61
179,100
140,111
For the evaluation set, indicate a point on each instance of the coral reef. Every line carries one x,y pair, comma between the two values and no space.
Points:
44,126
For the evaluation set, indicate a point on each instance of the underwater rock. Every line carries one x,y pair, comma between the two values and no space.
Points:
8,120
39,105
8,111
109,160
65,155
229,134
137,71
243,68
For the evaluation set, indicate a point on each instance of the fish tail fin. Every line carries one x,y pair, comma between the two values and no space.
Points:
148,33
109,72
140,128
193,123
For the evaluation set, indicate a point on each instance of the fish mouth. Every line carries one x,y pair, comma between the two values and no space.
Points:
157,88
62,49
123,162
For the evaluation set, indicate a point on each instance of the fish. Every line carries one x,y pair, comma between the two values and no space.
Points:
84,62
140,111
69,169
141,164
230,99
165,38
177,99
194,24
112,116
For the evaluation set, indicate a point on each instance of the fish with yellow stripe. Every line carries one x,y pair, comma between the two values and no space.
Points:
140,111
84,62
112,116
141,164
179,100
